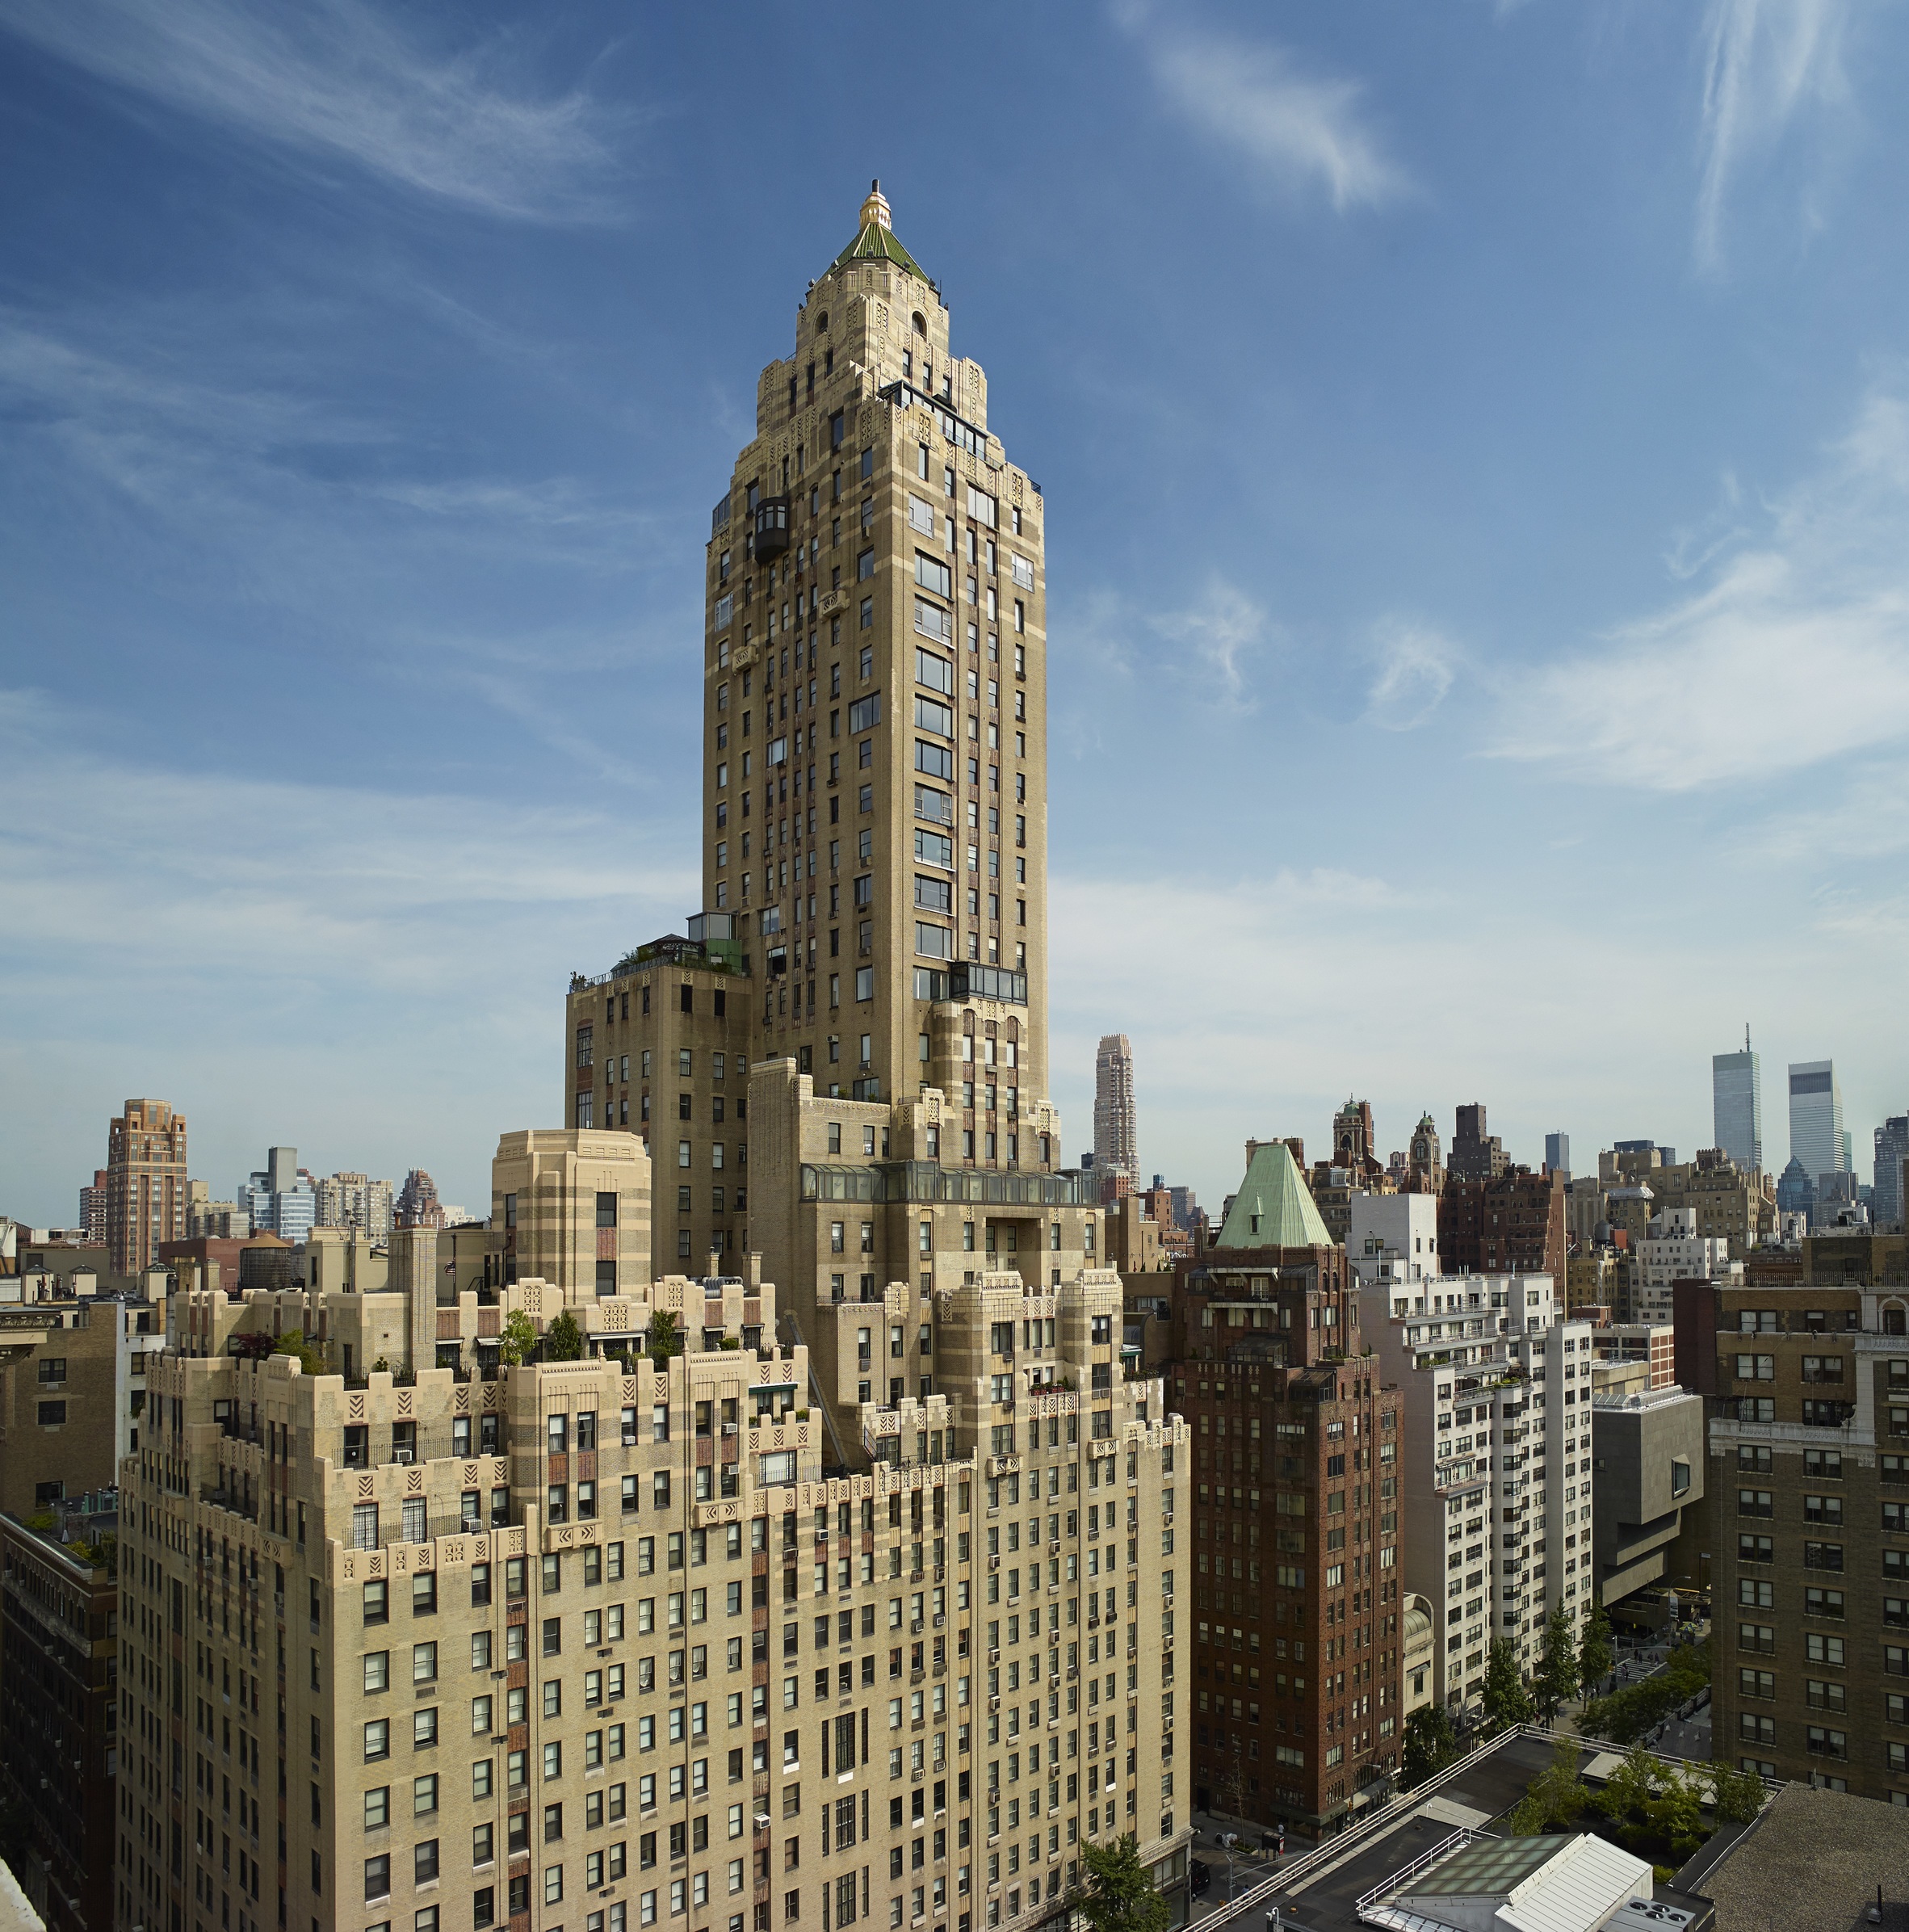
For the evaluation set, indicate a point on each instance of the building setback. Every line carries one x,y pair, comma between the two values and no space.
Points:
600,1632
1510,1223
841,1064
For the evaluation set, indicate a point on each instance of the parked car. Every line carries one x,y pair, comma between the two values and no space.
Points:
1202,1877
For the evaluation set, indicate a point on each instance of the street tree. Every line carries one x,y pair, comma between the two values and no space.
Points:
1557,1678
1504,1697
1117,1894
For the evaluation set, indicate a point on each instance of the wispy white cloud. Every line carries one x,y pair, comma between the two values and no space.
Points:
253,876
1256,1003
1795,651
339,81
1298,132
207,437
1695,546
1220,632
1763,61
1415,670
372,972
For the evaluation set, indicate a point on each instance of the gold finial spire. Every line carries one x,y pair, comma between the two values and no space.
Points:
874,210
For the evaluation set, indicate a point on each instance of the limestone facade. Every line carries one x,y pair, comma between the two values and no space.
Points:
596,1641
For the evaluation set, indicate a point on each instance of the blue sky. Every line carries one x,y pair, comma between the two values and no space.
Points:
1476,442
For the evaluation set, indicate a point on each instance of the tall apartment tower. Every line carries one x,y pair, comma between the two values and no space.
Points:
1557,1154
1736,1105
1476,1156
875,695
842,1065
146,1184
417,1204
1816,1136
1115,1142
92,1209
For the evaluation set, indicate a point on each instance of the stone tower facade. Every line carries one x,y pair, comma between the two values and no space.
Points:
1115,1134
875,700
841,1066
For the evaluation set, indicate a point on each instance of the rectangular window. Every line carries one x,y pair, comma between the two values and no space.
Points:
936,761
930,715
934,942
932,574
932,621
864,713
936,672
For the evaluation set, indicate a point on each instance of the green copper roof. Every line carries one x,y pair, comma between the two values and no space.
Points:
875,241
1274,1207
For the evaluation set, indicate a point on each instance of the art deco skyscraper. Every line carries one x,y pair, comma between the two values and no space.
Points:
874,688
842,1065
1736,1103
1115,1139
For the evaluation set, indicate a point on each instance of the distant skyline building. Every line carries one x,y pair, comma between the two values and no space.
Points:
1816,1136
146,1184
354,1200
417,1203
1115,1130
1892,1150
92,1208
277,1198
1557,1154
1475,1155
1736,1104
1425,1163
1796,1191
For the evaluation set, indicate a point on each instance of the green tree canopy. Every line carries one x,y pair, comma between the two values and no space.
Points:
1595,1655
562,1340
1557,1676
1504,1698
1118,1893
518,1339
1556,1796
292,1342
663,1340
1431,1744
1737,1796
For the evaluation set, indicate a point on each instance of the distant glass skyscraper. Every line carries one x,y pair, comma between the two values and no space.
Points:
1558,1153
1736,1104
1816,1136
1892,1150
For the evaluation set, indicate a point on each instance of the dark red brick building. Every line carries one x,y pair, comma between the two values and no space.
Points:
1296,1678
1511,1224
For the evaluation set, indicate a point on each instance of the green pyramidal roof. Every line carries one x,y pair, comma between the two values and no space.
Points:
1274,1207
875,239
